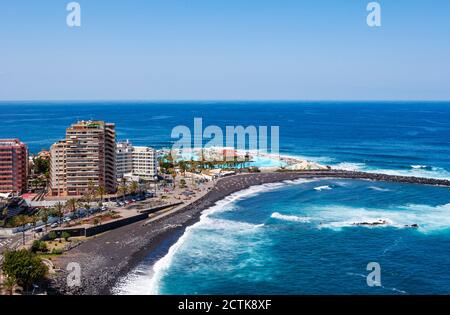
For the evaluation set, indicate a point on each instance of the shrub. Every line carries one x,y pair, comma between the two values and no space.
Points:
23,266
65,236
52,235
39,246
57,251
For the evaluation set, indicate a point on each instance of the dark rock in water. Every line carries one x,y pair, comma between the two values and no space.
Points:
379,222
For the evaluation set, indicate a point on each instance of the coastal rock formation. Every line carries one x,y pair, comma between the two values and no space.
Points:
306,166
375,223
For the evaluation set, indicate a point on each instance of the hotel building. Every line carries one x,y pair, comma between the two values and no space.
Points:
140,161
87,155
124,158
13,166
144,162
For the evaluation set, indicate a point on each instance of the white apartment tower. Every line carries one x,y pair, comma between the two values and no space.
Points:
137,160
124,158
144,162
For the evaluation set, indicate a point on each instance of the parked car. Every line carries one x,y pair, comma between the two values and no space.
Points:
54,225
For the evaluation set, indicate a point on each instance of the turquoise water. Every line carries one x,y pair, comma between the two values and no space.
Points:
256,160
300,238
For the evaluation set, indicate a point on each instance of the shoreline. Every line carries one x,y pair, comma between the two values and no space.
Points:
107,257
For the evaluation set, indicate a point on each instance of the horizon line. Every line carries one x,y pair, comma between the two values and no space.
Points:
224,100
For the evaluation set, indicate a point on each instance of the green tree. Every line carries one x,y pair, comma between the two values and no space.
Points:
23,266
87,207
59,211
123,189
65,235
71,205
52,235
183,167
134,186
41,166
8,285
101,191
39,246
44,213
22,221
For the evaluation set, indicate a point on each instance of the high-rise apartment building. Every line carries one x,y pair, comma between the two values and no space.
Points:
13,166
87,155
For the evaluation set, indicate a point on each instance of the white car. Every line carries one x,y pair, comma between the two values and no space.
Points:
54,225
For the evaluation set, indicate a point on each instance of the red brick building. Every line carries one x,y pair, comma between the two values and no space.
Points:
13,166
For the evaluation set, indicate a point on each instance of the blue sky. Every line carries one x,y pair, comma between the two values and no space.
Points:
225,49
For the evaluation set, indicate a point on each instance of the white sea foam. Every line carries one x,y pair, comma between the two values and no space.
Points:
349,166
419,166
292,218
430,219
379,188
320,188
425,171
362,221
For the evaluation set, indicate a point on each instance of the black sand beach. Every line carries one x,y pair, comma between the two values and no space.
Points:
107,257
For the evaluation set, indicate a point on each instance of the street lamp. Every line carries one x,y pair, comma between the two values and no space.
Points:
156,183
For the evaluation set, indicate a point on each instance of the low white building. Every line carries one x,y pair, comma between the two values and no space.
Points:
136,160
145,162
124,158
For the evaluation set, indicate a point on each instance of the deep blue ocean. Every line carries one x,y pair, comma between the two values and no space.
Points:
295,237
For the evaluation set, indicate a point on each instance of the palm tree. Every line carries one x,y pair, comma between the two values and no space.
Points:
101,191
122,190
59,211
134,186
22,220
183,167
123,187
44,217
87,207
174,176
33,220
71,205
91,191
